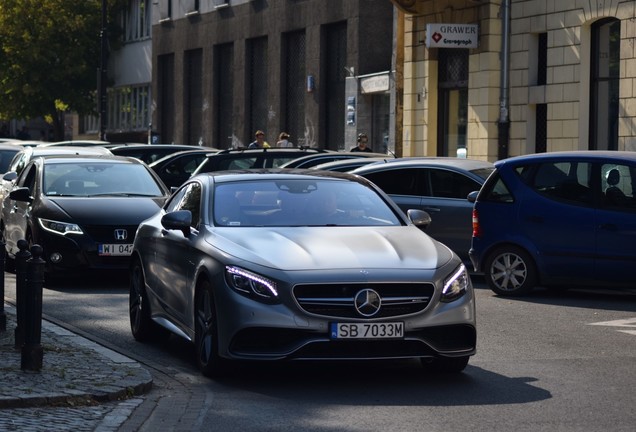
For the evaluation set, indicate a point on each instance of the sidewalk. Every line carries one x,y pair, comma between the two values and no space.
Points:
75,371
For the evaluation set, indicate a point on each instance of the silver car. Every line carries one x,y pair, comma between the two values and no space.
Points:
298,264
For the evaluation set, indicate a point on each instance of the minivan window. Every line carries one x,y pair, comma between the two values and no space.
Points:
564,181
495,190
618,183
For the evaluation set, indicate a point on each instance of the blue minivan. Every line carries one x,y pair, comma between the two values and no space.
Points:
557,219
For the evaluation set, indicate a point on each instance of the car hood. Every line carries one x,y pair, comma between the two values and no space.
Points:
110,210
304,248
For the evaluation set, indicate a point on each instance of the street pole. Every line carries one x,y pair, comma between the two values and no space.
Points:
101,84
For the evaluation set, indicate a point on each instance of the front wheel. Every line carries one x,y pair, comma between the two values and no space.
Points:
141,324
510,271
206,334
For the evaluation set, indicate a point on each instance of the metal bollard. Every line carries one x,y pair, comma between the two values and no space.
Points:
3,313
20,286
32,352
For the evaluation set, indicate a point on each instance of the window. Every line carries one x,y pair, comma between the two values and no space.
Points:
604,82
257,84
448,184
188,198
165,10
402,182
453,101
617,183
563,181
136,21
129,108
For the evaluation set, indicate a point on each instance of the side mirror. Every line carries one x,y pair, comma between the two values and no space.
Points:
21,194
472,197
420,218
10,176
178,220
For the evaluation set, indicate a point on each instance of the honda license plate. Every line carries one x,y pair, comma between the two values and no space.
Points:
115,249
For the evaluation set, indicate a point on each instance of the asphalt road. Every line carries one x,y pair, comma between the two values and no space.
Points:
550,361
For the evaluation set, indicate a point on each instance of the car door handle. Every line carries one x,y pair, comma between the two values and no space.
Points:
432,209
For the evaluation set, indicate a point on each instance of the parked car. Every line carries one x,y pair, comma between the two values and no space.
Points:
152,152
7,152
437,185
346,165
557,219
289,264
26,154
309,161
176,168
83,210
234,159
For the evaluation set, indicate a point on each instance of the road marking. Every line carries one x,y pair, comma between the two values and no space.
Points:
629,323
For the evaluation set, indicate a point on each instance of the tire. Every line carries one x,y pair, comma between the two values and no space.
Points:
510,271
141,325
206,332
445,364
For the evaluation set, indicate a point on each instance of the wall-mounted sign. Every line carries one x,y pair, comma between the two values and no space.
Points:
374,84
452,35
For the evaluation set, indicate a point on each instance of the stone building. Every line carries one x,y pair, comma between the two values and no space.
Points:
542,75
224,69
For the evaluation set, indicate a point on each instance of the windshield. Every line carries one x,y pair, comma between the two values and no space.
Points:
98,178
300,202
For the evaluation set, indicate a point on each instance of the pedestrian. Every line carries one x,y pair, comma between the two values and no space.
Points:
283,140
259,142
363,139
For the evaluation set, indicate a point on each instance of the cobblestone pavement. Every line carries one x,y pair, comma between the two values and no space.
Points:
82,386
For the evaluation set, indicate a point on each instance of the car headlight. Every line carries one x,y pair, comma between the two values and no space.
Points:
61,228
252,284
456,285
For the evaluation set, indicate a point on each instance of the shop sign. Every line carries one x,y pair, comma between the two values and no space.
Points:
452,35
374,84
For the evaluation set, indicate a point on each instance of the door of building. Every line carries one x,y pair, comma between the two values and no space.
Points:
453,102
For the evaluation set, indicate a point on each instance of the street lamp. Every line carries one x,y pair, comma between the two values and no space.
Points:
101,80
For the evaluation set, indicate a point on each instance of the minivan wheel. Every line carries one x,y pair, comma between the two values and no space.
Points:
510,271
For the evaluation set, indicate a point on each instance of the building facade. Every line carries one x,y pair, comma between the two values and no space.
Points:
224,69
543,76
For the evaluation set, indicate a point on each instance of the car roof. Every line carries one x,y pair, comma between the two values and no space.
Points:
64,158
276,173
68,150
344,155
153,146
460,163
76,143
576,154
328,166
175,155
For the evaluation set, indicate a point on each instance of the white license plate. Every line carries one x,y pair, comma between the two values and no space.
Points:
387,330
115,249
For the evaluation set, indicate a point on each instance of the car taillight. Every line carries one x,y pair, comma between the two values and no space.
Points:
476,231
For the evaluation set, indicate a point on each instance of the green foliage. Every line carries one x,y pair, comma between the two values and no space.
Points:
49,56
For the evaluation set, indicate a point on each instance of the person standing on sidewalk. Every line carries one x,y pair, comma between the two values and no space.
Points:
259,142
363,139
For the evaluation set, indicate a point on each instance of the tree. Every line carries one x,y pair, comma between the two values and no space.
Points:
49,56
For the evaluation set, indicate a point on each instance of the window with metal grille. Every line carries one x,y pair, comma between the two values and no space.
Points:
542,64
193,97
257,85
294,87
335,54
541,129
224,95
165,78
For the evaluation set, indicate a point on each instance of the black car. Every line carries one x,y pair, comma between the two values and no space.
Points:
83,210
240,159
177,167
152,152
